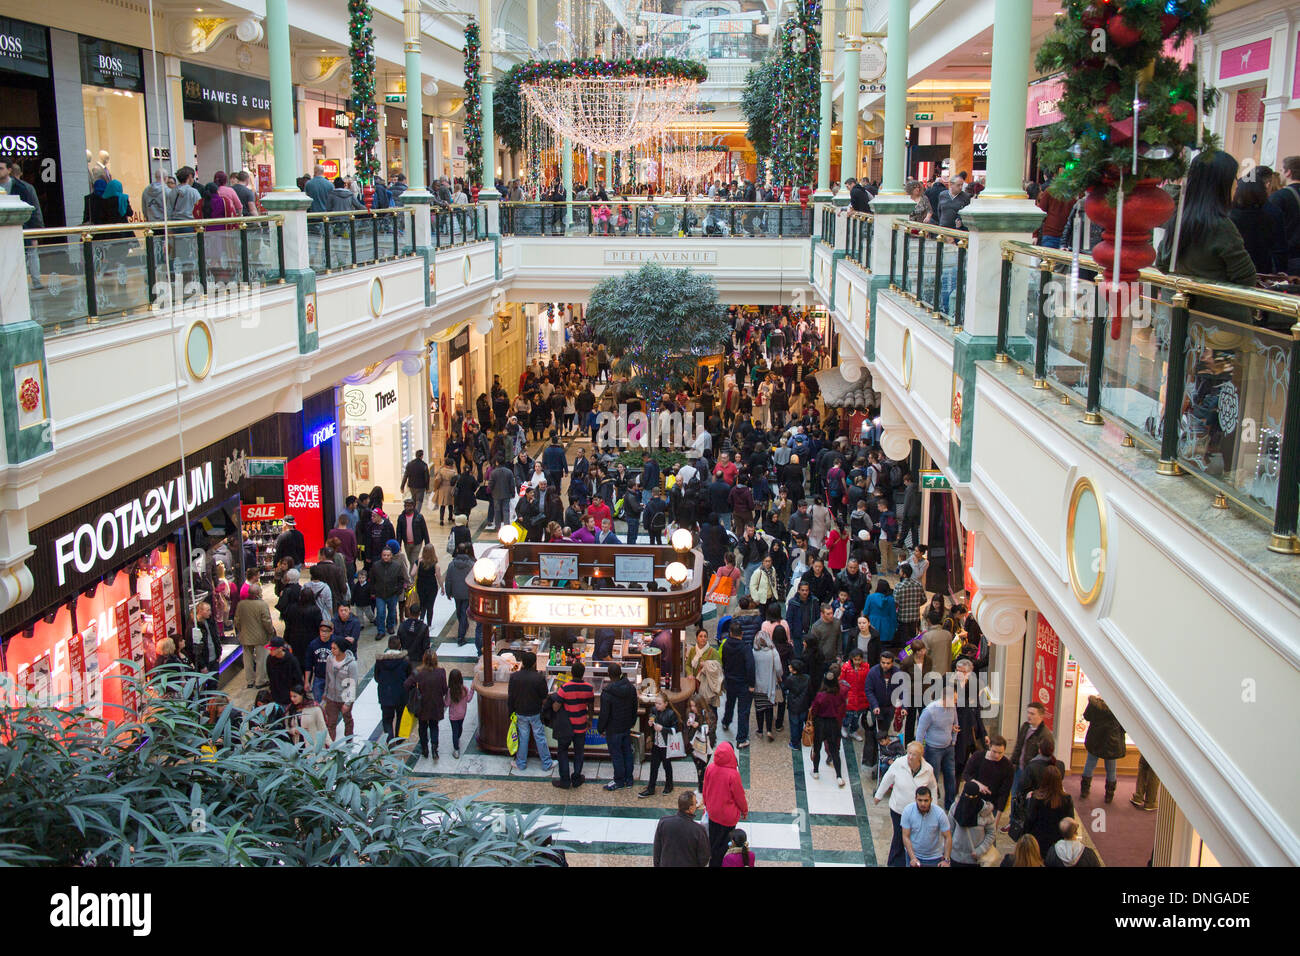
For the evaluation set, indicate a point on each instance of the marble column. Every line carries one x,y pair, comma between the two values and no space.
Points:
849,121
414,100
281,63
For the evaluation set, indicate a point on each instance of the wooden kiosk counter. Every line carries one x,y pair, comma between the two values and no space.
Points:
551,597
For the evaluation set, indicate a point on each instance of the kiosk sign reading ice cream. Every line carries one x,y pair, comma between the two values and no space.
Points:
579,610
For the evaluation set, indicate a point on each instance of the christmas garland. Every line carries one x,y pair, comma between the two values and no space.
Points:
365,126
473,106
507,111
1112,52
702,148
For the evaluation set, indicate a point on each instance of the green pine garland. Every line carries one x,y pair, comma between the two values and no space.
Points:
365,125
473,106
796,111
756,104
1107,49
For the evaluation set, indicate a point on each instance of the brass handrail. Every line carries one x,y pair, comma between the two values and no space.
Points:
864,216
942,232
658,200
143,227
344,213
1288,305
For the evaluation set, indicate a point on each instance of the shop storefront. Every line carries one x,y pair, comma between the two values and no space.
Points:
119,574
397,132
1253,66
384,419
29,132
228,121
328,125
113,107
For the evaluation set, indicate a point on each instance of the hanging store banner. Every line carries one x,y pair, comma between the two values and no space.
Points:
303,499
1047,660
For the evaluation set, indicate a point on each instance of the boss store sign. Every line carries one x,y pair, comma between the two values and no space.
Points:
111,65
24,48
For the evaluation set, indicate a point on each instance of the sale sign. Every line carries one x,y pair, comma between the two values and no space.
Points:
1047,658
303,499
268,512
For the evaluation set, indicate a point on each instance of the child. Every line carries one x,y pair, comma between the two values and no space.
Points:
458,698
700,719
361,597
738,853
663,722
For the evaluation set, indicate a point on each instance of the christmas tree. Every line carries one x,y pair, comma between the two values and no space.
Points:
365,124
1130,109
796,110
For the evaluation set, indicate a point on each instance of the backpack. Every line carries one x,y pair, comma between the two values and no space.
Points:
383,199
548,710
895,475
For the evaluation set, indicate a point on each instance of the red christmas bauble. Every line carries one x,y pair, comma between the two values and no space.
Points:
1169,23
1186,110
1121,131
1092,17
1121,34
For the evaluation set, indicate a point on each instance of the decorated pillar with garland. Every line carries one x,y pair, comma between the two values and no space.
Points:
365,125
473,107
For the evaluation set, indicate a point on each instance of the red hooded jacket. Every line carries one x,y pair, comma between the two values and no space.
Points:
724,795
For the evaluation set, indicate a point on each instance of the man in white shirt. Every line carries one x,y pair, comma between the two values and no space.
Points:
900,781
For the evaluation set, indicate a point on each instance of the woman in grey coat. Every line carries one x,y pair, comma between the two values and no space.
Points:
455,585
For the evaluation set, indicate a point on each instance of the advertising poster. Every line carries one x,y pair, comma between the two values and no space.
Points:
93,680
171,607
302,499
122,616
137,628
76,670
1047,658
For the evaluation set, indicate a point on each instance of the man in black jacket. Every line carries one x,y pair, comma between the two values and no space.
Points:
617,717
738,678
679,840
554,463
290,543
411,530
282,671
859,198
525,696
417,476
414,635
1032,732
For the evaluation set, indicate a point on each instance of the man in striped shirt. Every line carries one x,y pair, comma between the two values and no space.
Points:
574,704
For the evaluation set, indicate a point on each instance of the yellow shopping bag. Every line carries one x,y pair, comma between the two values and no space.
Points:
407,724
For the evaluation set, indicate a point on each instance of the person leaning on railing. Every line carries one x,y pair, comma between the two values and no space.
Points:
922,211
1209,245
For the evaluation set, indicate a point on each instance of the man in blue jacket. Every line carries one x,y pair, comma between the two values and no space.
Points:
738,677
554,463
649,477
801,614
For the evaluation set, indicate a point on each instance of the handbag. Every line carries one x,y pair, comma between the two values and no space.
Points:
1016,826
700,744
512,736
676,744
482,493
809,734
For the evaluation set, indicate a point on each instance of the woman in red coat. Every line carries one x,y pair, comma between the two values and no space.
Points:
837,546
724,800
853,675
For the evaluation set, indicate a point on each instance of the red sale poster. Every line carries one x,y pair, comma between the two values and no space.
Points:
137,628
302,499
1047,658
170,605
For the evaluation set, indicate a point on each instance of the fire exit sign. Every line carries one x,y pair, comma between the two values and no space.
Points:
922,117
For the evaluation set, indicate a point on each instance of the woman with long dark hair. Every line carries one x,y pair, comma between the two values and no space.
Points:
1046,808
1209,245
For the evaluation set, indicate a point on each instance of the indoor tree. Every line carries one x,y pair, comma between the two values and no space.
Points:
657,322
177,787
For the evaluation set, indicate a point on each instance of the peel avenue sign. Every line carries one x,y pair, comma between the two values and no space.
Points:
681,257
578,610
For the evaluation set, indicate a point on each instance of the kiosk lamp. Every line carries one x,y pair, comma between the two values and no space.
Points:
682,540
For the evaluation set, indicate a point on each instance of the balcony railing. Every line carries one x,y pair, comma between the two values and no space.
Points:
457,225
827,234
857,240
1206,376
358,237
84,275
927,264
639,217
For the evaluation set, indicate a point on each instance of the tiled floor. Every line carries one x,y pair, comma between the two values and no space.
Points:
794,820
